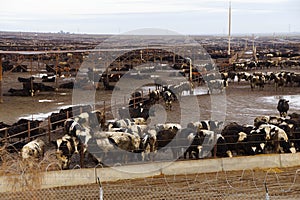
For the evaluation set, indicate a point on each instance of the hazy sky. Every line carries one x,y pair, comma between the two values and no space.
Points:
118,16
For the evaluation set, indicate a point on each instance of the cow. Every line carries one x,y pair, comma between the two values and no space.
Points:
65,148
218,85
236,137
154,96
243,76
74,129
265,119
275,137
91,120
19,92
279,79
34,149
57,119
21,128
3,127
283,107
204,142
122,141
168,99
48,78
22,80
257,81
205,124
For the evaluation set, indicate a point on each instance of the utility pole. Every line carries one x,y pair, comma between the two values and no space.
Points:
1,94
229,28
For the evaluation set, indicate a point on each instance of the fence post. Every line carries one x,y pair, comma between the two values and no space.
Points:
5,135
81,155
28,130
80,109
133,100
67,114
49,129
215,147
104,109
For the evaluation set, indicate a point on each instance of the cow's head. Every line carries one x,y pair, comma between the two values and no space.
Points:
242,136
136,142
27,152
64,160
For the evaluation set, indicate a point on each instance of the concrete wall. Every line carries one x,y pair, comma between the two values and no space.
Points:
87,176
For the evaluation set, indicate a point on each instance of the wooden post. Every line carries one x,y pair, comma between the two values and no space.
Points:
5,135
1,94
49,129
133,100
31,81
215,147
104,110
81,155
28,130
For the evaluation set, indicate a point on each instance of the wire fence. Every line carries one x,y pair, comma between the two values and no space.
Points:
246,184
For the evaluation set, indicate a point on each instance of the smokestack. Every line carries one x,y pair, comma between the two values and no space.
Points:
229,27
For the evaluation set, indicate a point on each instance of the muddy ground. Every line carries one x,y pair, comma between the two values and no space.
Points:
238,103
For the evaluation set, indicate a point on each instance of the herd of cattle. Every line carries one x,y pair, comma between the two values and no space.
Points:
260,79
132,139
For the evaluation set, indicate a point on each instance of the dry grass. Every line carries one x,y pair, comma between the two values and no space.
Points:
25,174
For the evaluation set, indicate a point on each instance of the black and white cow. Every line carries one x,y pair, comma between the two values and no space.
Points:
120,142
154,96
266,119
74,129
206,125
168,98
65,148
276,138
210,140
283,107
34,149
257,81
236,137
218,85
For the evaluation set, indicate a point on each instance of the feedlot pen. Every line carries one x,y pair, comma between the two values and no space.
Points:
281,183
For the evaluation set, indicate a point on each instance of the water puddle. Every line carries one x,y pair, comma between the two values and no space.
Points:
45,101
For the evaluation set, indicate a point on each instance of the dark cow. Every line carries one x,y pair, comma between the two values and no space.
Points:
22,80
23,128
283,107
3,126
57,119
48,78
19,92
33,87
69,85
